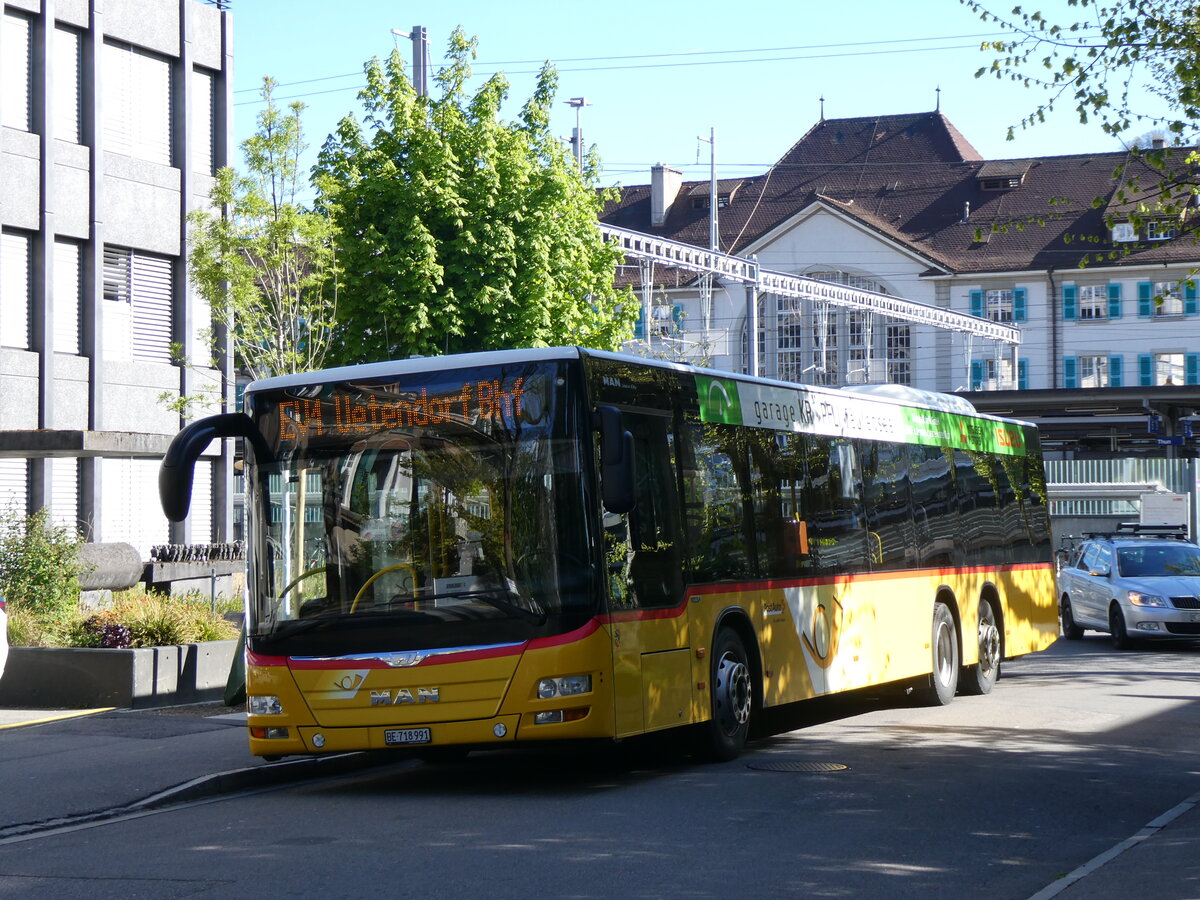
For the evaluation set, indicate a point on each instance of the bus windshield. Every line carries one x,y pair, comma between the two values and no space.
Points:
439,513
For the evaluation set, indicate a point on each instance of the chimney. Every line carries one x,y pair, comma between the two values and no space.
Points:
664,187
966,214
1157,143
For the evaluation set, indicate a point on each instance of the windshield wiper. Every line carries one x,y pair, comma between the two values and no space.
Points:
497,597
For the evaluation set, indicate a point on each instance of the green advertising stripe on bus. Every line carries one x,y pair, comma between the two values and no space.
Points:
730,402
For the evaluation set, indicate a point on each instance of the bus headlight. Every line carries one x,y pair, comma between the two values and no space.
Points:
564,686
1137,598
264,706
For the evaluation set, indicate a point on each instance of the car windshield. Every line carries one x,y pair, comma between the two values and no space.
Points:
1157,560
454,530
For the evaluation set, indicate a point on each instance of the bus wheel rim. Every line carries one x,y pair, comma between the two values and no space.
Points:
945,653
733,692
989,646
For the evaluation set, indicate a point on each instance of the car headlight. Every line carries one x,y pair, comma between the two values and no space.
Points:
1137,598
264,706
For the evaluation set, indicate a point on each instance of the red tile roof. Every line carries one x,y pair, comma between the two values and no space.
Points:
917,181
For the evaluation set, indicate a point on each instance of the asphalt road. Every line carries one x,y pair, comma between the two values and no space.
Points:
1010,795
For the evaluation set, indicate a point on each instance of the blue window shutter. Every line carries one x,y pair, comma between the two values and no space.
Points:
639,327
977,303
677,317
1114,371
1022,374
1145,369
1114,300
1069,294
1070,367
1145,299
1189,298
1191,368
1019,304
976,374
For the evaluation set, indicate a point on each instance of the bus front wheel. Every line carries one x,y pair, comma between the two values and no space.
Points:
732,694
943,681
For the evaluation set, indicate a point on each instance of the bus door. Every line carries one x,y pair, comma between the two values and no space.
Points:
644,553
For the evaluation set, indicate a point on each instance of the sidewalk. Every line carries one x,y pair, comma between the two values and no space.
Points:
67,765
1159,861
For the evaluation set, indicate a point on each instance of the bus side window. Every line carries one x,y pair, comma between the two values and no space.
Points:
644,549
720,535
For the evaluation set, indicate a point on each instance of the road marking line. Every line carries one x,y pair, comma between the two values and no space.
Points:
59,717
1150,829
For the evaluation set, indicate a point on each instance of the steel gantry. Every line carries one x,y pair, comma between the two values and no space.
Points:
649,249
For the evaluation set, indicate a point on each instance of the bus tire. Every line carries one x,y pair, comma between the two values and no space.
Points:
981,677
732,693
943,680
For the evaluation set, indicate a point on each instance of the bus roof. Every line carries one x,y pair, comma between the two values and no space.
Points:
900,395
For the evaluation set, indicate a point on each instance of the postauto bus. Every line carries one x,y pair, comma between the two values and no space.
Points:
531,545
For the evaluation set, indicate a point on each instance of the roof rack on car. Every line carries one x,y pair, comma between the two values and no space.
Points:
1137,529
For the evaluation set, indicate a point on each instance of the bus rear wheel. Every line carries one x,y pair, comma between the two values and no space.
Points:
981,677
943,681
724,735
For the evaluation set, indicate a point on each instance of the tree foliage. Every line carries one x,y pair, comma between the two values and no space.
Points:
264,263
458,231
1099,63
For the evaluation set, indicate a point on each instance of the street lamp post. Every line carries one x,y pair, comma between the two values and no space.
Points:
577,138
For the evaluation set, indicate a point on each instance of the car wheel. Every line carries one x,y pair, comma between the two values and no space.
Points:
942,683
1071,630
981,677
1116,629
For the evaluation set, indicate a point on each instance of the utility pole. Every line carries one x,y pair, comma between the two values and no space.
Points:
709,280
577,138
420,57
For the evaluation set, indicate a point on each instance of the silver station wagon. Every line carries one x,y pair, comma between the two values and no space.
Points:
1132,585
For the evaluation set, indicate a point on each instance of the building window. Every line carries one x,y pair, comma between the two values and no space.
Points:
858,354
1123,233
999,305
203,131
137,308
1093,301
1093,371
16,71
825,351
137,103
1168,368
14,289
66,84
68,296
1160,231
1172,299
997,375
899,348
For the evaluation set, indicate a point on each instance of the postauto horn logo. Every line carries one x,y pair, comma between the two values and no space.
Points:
719,400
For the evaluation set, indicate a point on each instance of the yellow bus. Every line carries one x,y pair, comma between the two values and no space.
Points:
533,545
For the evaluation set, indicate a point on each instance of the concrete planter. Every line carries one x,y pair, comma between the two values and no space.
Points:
69,678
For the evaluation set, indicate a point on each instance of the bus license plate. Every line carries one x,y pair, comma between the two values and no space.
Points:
406,736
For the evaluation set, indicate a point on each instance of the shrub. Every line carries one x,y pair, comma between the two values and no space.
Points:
39,565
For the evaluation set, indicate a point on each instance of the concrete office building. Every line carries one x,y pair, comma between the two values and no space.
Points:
115,116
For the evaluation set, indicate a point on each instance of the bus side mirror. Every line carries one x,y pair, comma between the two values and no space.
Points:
179,463
616,462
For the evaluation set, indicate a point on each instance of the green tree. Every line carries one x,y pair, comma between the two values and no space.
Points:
265,263
39,564
459,231
1098,63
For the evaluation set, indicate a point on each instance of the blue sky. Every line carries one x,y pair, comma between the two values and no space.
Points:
659,75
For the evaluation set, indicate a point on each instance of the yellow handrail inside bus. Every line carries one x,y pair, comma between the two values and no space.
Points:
362,590
299,578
